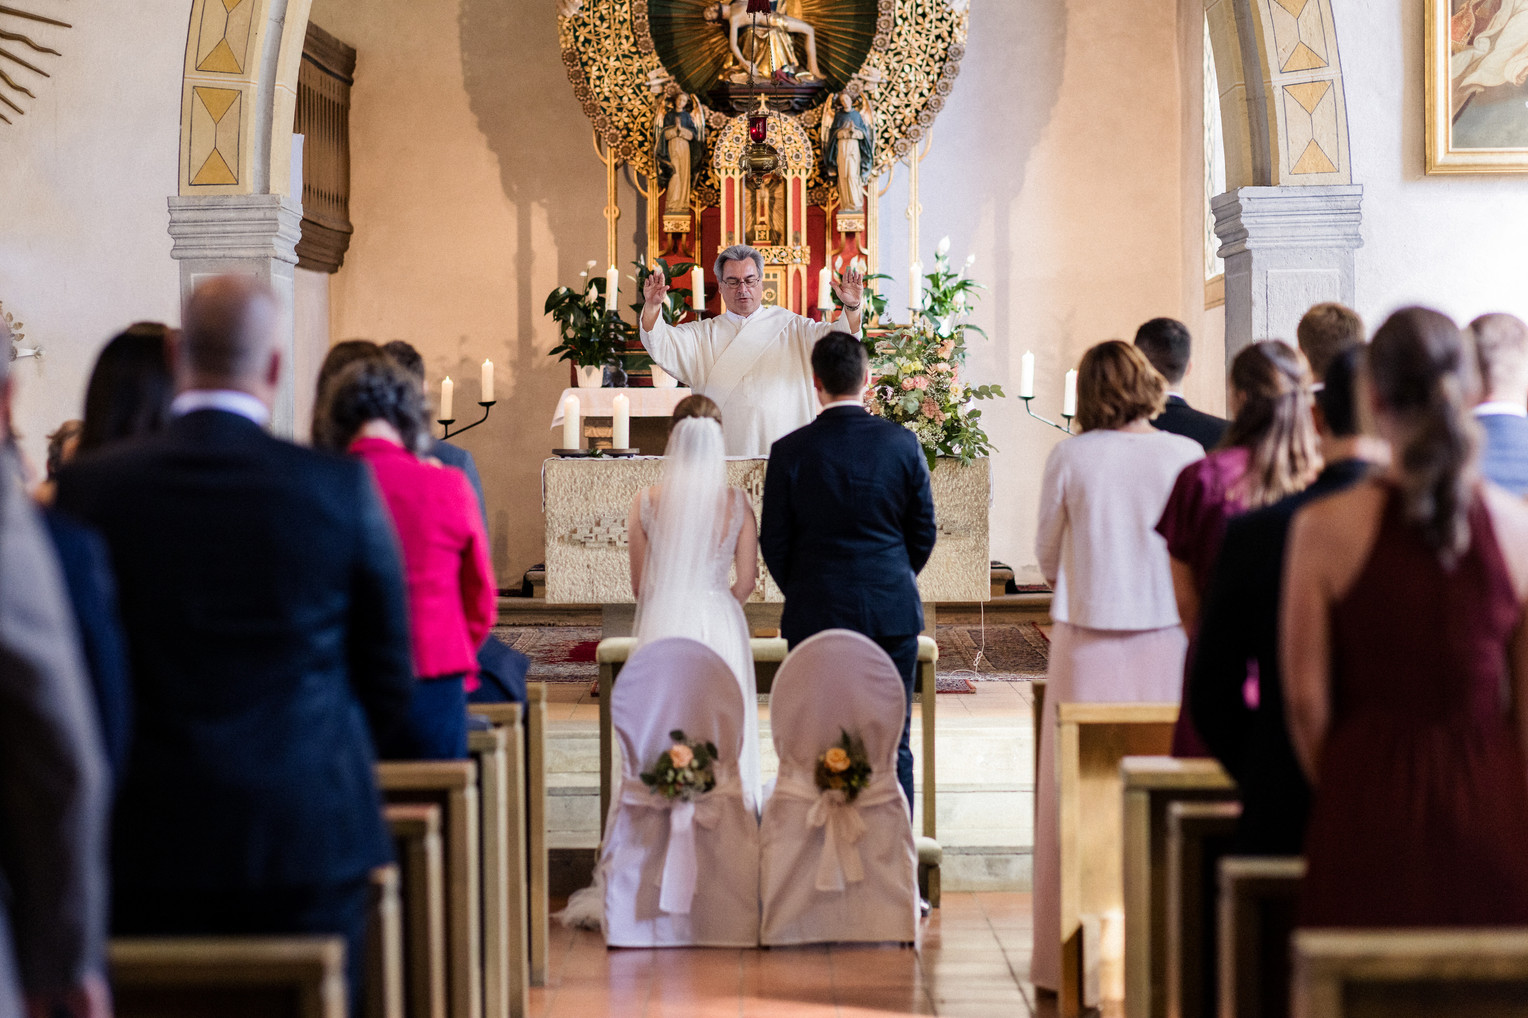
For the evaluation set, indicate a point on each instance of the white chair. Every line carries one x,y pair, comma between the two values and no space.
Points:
831,870
679,874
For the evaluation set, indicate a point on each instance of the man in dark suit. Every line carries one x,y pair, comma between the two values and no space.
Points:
1166,344
1501,347
262,595
1241,625
849,521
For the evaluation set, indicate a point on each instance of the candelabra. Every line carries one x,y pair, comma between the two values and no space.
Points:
447,422
1044,420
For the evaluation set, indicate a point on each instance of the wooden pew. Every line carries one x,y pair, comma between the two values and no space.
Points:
1424,973
453,786
768,654
1151,784
1257,918
384,945
499,753
1198,835
417,843
1091,741
228,977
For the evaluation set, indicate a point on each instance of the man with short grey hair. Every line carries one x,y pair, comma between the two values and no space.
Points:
754,360
1501,348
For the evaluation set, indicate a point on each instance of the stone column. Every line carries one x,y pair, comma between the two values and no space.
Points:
1285,248
252,234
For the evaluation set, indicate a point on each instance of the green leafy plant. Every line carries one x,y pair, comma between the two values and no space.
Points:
590,335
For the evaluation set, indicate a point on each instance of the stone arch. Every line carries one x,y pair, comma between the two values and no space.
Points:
1283,107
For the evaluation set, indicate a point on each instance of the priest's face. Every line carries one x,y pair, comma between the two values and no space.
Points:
742,287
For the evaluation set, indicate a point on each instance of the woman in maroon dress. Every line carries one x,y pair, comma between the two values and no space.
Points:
1269,451
1406,661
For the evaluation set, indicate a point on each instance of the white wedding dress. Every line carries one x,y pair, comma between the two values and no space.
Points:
693,522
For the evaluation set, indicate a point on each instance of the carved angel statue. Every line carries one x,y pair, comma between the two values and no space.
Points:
680,141
848,152
762,43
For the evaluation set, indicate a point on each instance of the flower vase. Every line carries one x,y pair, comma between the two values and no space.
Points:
591,376
662,379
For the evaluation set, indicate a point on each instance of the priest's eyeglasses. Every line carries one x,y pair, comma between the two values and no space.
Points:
746,283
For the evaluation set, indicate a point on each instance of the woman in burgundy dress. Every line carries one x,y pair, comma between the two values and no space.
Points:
1269,451
1406,661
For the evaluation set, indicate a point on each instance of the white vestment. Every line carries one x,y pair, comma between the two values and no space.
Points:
758,370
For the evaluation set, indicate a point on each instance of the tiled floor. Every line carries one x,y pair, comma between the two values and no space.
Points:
974,960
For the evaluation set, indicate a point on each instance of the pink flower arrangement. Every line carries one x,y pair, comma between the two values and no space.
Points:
920,382
907,385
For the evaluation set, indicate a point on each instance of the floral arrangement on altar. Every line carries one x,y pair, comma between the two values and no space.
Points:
684,771
916,368
844,767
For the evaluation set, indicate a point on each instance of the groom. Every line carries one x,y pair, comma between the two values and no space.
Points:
849,521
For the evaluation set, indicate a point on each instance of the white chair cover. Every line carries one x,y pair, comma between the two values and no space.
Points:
679,874
834,871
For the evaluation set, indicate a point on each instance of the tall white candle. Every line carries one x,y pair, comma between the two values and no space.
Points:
447,387
825,290
612,287
915,285
620,422
487,387
572,424
697,290
1027,376
1069,397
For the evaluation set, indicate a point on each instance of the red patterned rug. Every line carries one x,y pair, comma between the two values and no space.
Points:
967,654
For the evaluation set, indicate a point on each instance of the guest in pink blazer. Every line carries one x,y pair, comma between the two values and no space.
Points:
376,412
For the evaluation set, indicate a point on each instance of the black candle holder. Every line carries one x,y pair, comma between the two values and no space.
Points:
446,424
1067,417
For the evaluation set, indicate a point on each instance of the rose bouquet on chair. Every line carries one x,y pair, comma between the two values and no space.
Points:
684,771
844,767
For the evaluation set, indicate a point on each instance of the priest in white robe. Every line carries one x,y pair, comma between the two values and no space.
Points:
754,361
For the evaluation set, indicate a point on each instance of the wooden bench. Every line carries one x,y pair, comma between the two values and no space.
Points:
768,654
1257,900
1150,784
417,843
453,786
499,753
1091,741
228,977
384,945
1424,973
1199,834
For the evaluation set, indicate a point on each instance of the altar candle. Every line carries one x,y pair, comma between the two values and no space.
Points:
447,387
1069,397
620,422
487,387
572,426
697,290
825,290
1027,376
915,285
612,287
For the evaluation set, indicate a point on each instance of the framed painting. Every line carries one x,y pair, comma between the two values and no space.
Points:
1477,86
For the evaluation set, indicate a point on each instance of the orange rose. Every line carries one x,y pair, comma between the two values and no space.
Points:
681,756
836,760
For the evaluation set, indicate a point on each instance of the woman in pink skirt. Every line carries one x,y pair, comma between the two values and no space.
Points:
1117,636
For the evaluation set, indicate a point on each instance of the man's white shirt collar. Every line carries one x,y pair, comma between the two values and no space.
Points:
1501,407
845,402
228,400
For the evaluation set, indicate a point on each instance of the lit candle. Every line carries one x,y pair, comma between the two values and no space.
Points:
697,290
825,290
1069,397
1027,376
487,388
447,387
612,287
620,423
572,425
915,285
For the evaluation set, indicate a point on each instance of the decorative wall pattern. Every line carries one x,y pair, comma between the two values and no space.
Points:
27,48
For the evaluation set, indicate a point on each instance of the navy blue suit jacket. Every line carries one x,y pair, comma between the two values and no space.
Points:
263,600
1178,418
461,459
848,523
1504,459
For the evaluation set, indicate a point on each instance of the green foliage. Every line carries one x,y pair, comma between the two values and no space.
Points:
678,302
590,335
844,767
685,770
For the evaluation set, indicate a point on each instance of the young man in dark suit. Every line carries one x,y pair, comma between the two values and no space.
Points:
1241,624
849,521
262,597
1501,348
1166,344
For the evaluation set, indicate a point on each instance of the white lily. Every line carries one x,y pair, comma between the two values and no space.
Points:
943,248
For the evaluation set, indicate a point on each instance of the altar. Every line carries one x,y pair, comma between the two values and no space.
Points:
587,502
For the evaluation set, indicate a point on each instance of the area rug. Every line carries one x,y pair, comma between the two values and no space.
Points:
998,653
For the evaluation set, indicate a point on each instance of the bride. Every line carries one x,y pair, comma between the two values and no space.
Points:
686,535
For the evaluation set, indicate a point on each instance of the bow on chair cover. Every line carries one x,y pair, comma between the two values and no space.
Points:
839,863
680,870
